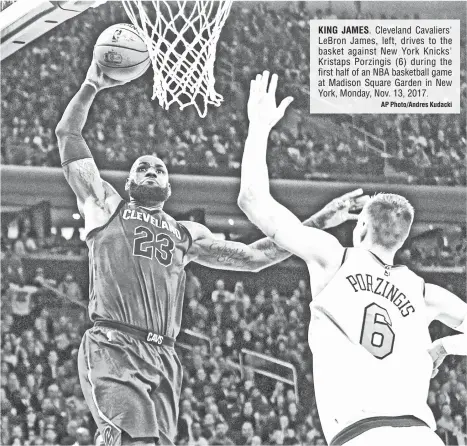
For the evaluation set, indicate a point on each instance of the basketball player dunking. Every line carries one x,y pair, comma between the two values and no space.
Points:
129,371
372,353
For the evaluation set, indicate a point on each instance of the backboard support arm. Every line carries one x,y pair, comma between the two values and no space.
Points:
24,21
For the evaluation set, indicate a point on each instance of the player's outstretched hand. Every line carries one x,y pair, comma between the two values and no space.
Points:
342,209
437,353
262,108
99,79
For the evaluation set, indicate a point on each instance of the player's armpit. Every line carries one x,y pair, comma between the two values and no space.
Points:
97,200
445,306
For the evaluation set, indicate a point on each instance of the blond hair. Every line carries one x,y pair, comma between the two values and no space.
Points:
390,217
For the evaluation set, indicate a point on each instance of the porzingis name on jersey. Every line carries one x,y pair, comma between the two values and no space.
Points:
384,288
129,214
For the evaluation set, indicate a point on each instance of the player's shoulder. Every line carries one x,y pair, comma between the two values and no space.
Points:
352,255
360,254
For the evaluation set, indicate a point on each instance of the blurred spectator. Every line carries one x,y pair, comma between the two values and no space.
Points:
40,278
422,149
186,419
12,267
193,288
458,431
208,427
197,437
446,422
83,437
71,436
247,434
220,294
221,438
26,242
21,301
70,288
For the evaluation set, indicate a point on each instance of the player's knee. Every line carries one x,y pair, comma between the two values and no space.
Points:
144,441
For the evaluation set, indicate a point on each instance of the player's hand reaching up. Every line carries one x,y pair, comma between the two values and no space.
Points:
262,108
341,209
98,79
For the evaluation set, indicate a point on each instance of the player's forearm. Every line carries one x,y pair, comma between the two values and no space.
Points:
254,183
75,115
254,198
71,144
273,252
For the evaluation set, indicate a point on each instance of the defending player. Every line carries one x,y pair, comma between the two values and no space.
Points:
369,324
129,371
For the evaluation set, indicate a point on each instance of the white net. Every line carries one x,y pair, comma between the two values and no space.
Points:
181,37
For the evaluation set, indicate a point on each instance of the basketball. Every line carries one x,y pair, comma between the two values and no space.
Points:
121,53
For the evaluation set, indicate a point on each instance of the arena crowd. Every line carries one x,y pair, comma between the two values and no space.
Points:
38,82
222,403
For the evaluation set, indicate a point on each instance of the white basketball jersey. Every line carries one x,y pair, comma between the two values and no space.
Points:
369,337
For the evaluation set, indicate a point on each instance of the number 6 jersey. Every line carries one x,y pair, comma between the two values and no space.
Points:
136,269
369,337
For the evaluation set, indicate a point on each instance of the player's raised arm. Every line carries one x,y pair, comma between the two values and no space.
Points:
276,221
445,306
222,254
452,311
80,170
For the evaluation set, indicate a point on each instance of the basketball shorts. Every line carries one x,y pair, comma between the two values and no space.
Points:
397,436
130,385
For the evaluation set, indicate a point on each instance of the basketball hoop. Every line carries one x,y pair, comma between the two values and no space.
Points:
181,38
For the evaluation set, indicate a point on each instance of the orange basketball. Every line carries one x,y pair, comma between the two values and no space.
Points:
121,53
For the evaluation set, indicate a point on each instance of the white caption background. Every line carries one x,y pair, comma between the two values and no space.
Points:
384,66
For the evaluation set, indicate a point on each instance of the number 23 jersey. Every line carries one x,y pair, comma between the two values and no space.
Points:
136,269
369,337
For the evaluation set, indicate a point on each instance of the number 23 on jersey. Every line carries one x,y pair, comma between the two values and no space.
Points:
147,244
